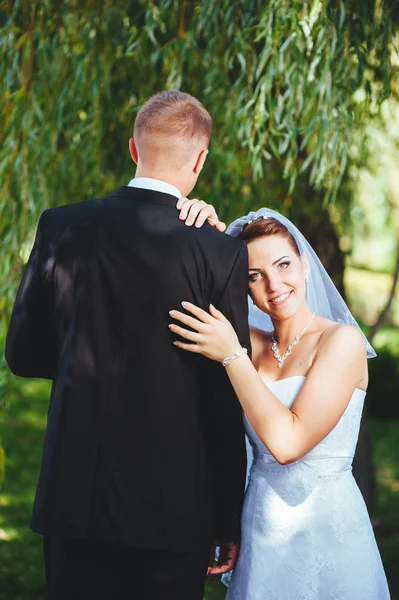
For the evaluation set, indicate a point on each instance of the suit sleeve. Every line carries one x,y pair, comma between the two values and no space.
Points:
31,349
228,463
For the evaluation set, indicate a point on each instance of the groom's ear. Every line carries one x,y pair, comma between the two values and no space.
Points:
201,158
133,151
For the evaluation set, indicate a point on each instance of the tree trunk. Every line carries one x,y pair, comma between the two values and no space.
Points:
385,311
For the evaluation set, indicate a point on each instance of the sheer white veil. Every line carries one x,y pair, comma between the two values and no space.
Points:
322,296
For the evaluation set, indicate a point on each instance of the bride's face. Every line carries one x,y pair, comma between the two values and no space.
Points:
276,277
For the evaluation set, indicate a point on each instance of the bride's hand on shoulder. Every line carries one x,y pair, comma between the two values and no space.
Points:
213,335
197,212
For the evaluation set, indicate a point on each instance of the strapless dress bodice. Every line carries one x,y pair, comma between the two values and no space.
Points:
333,454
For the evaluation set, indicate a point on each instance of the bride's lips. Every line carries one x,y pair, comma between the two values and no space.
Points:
281,299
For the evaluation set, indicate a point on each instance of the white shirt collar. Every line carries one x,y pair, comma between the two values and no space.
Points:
147,183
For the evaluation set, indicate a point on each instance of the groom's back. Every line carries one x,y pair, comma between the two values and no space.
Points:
130,421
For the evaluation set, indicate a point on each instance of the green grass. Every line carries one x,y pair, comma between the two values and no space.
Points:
385,436
21,573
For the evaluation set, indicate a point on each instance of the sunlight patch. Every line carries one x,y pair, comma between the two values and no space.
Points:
7,537
33,418
387,480
36,387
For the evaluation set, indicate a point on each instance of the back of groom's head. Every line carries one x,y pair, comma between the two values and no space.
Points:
171,126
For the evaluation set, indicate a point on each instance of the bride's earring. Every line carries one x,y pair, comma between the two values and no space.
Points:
306,279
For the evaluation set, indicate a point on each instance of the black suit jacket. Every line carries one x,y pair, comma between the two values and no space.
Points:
144,442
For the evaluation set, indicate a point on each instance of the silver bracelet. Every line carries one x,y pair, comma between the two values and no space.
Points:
236,354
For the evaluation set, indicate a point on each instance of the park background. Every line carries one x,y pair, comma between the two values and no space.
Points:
305,102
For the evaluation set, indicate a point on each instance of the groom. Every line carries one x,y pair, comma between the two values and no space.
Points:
144,457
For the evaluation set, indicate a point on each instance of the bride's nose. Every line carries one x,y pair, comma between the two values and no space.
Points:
271,284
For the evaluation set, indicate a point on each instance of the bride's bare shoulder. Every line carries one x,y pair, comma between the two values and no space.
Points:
333,333
259,334
259,339
341,342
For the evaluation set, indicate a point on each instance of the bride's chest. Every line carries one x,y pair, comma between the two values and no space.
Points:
295,363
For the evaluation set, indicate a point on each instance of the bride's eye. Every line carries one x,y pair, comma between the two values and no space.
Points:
284,265
254,276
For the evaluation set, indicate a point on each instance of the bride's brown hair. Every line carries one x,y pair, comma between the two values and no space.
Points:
261,227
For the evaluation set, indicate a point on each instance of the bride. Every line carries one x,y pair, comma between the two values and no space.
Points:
306,533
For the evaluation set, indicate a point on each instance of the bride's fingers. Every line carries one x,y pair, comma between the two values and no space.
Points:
187,204
218,570
194,211
189,347
220,226
183,200
207,213
197,211
187,320
202,315
201,212
217,314
193,336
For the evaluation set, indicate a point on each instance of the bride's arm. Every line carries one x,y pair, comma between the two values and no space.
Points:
289,434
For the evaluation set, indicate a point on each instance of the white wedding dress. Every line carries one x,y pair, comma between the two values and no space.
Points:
306,533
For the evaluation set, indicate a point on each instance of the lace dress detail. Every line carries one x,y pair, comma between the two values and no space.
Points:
306,533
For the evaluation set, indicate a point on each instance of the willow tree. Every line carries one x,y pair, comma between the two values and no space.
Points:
279,78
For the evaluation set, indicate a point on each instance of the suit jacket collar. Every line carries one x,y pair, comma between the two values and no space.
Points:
148,183
146,195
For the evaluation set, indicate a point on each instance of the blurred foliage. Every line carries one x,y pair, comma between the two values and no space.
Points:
287,82
367,291
386,445
383,391
374,181
278,77
383,388
21,563
385,438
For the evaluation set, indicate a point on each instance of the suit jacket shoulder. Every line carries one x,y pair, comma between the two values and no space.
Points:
68,215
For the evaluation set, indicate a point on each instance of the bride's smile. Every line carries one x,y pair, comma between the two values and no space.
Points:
280,299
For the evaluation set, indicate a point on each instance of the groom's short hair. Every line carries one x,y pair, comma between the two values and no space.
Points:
173,116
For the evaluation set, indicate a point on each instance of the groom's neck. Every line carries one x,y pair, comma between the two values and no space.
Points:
174,178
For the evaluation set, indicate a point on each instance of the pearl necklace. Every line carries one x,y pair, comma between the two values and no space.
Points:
281,359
